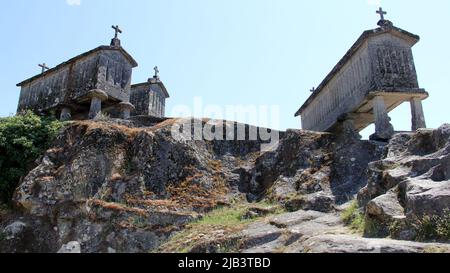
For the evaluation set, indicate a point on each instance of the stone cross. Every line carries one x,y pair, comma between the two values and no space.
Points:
313,90
118,30
44,67
381,12
156,71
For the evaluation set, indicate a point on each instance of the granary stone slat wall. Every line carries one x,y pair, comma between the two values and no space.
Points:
46,92
157,108
148,99
343,93
82,77
140,98
114,75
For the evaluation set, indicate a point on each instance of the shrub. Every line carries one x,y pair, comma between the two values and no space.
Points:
433,227
23,138
354,218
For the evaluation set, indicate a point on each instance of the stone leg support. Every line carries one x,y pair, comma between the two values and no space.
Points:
126,108
96,107
346,129
65,114
97,96
383,127
348,126
126,113
418,117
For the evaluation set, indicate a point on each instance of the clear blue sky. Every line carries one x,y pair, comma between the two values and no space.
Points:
226,51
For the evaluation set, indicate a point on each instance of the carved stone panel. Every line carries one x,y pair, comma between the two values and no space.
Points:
394,67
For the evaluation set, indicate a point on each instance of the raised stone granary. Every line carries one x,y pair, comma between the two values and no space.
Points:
375,76
98,81
149,98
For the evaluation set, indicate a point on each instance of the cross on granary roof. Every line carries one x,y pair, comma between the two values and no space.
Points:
156,72
117,30
44,67
382,13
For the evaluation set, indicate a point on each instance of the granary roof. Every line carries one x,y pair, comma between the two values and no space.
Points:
119,48
385,27
154,81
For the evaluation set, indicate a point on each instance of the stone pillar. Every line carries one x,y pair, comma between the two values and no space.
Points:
66,113
97,97
418,117
383,127
346,130
126,108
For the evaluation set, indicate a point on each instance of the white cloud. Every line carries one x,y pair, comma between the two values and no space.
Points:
374,2
73,2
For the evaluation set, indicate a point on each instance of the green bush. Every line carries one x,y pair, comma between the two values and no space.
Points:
433,227
354,218
23,138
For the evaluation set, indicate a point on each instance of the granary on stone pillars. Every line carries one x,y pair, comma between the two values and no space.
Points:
375,76
95,82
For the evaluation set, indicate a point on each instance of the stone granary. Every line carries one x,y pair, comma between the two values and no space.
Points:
375,76
149,98
98,81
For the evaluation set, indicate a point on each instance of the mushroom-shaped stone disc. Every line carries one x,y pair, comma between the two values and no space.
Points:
126,106
97,93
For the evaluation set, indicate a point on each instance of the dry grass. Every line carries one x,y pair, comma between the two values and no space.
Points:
159,204
189,194
250,157
46,179
95,125
117,207
215,165
162,125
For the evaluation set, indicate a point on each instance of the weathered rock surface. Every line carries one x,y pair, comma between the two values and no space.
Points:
308,232
70,248
314,171
122,187
355,244
413,181
116,186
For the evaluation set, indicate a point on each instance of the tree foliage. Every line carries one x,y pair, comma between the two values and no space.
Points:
23,138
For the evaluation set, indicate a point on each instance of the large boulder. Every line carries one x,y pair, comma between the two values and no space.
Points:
426,197
314,171
110,185
411,183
